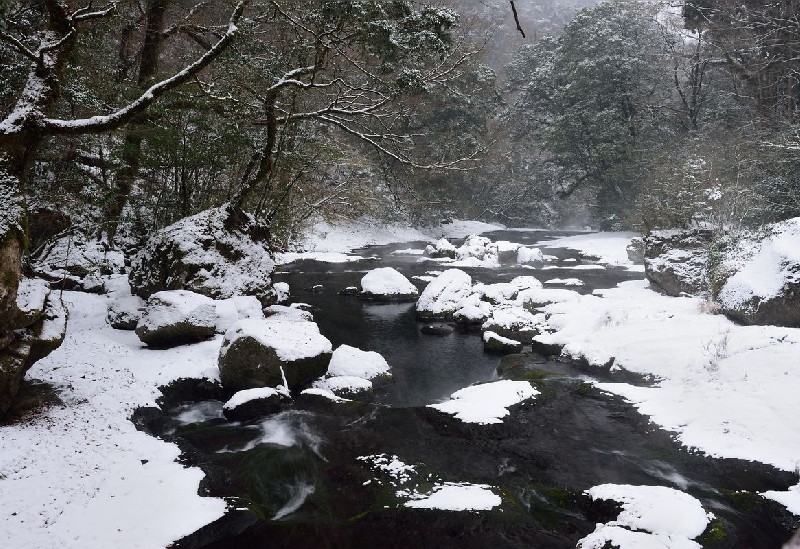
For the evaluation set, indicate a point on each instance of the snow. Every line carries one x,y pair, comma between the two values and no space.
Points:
565,281
176,306
462,229
390,465
323,257
409,251
31,295
81,475
512,318
282,290
529,255
489,335
344,384
248,395
762,266
609,247
349,361
486,403
451,496
236,308
444,294
386,281
317,391
290,339
652,516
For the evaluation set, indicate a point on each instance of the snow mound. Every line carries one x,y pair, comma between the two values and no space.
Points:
461,496
609,248
443,295
652,516
349,361
486,403
388,283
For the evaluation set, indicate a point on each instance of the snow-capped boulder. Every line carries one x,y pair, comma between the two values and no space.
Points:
480,249
507,252
675,261
207,253
48,325
530,256
495,342
282,292
387,284
635,251
273,351
351,387
76,262
254,403
514,323
236,308
350,361
755,278
177,317
123,313
444,295
473,310
442,248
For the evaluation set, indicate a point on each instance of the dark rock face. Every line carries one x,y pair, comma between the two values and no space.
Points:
247,361
44,332
176,318
675,262
206,253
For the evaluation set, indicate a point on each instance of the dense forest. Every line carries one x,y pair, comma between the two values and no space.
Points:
120,118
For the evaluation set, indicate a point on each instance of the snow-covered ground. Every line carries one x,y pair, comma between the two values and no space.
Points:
80,475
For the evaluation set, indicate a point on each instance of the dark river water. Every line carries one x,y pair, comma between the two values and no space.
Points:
294,479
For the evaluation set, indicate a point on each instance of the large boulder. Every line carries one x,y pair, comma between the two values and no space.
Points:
124,312
77,262
42,325
444,295
675,261
212,253
176,318
755,276
387,284
273,351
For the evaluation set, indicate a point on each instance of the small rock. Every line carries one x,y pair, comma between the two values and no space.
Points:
436,329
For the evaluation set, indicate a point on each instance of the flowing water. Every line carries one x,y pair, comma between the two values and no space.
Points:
295,479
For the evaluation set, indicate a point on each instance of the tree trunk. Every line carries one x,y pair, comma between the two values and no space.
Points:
132,147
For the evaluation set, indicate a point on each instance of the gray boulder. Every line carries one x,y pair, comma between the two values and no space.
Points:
271,352
124,312
675,261
212,253
176,318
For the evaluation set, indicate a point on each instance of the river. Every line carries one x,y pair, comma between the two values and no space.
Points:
295,479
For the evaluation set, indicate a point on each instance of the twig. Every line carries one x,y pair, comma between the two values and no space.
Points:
516,18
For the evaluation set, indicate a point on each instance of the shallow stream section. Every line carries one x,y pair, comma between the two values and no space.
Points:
325,475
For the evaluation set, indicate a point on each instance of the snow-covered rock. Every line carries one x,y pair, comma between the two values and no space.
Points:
530,256
756,279
172,318
480,250
345,386
486,403
495,342
442,248
350,361
75,262
675,261
443,295
236,308
387,284
514,323
273,351
125,311
652,516
204,254
635,251
44,334
253,403
282,291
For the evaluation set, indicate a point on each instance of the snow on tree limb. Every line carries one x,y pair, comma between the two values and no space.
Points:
114,120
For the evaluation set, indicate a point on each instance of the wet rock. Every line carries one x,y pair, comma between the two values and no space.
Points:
254,403
755,275
387,284
675,261
177,317
444,294
271,352
31,343
497,343
436,329
124,312
546,349
212,253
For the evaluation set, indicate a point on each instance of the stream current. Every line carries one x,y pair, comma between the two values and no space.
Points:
295,479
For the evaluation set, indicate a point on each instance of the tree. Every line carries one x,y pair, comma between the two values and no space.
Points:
56,25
